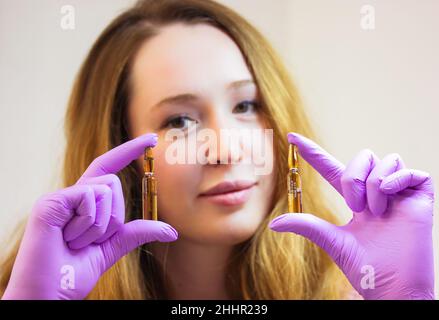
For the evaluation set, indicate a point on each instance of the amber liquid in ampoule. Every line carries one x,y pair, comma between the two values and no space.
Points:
149,188
294,183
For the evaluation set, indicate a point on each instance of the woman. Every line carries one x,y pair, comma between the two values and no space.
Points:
80,241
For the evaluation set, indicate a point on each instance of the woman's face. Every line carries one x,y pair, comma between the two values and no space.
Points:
202,61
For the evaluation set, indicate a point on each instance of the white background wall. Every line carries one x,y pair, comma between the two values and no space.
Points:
376,89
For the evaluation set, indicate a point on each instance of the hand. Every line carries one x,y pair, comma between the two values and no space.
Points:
75,234
386,250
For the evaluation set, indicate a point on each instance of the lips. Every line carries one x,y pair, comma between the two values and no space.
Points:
228,187
229,193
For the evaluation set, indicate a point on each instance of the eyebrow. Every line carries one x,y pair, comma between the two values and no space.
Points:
188,97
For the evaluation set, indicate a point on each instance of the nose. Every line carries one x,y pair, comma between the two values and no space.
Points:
228,148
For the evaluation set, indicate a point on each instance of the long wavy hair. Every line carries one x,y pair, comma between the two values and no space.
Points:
269,265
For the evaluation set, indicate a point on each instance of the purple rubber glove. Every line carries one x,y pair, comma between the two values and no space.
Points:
386,250
75,234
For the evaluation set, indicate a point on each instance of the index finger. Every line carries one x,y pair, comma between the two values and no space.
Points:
329,167
119,157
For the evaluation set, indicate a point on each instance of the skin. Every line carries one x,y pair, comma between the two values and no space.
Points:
201,60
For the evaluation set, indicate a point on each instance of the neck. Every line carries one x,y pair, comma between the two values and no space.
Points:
194,270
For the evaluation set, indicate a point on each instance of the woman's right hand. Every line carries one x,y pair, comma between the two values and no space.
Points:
75,234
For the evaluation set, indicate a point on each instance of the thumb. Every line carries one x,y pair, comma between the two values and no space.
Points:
132,235
324,234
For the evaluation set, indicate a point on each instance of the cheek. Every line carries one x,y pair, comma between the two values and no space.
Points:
267,187
177,188
259,151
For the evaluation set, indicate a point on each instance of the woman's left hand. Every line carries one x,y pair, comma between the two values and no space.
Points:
386,250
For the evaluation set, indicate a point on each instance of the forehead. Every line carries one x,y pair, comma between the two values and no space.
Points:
185,58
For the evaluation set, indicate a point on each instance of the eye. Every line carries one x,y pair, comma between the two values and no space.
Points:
245,106
182,122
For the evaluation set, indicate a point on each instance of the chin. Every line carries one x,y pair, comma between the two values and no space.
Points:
221,234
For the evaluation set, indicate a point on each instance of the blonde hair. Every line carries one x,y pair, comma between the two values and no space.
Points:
270,265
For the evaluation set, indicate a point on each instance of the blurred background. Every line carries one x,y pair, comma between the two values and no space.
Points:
368,73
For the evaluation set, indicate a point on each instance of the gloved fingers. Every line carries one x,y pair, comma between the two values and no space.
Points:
103,196
329,167
353,179
81,200
117,216
132,235
408,178
86,213
58,208
327,236
119,157
376,199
